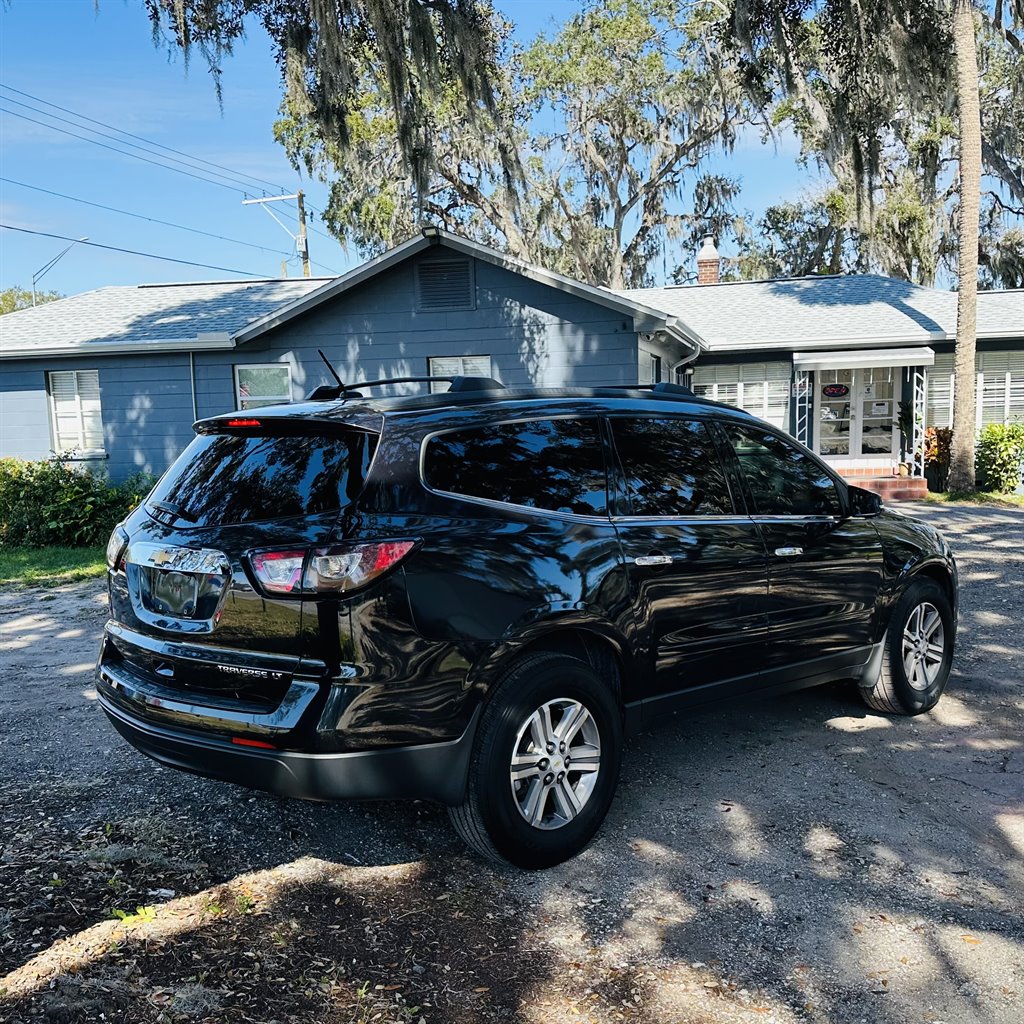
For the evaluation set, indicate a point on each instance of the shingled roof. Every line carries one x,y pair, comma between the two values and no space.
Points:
171,317
807,312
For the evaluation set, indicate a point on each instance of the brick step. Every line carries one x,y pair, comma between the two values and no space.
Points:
893,488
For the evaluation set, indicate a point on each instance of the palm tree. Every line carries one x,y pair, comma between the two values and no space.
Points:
889,61
961,462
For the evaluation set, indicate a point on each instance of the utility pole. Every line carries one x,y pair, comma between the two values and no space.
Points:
301,240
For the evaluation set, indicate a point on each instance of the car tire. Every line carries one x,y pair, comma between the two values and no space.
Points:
917,652
547,707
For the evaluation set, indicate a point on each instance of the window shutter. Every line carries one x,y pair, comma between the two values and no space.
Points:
476,366
939,410
444,284
759,388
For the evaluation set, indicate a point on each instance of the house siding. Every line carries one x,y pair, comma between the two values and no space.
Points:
146,404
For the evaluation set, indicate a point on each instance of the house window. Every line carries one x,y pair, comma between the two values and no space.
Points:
262,384
457,366
1000,389
1001,386
759,388
75,411
444,284
655,369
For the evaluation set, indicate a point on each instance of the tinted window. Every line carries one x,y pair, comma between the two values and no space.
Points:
226,478
670,467
556,465
782,479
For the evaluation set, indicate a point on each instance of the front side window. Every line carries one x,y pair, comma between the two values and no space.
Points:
556,465
75,411
670,467
269,384
782,480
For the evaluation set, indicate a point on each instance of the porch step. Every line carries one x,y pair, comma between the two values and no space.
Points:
893,488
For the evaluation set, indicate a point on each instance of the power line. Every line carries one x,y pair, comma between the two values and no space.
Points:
140,216
187,169
114,149
132,252
149,142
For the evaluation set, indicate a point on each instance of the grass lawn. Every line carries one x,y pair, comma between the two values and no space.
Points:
50,566
977,498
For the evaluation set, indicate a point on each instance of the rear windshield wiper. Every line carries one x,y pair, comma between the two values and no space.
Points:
175,510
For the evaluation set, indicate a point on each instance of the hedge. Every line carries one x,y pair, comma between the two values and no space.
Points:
55,503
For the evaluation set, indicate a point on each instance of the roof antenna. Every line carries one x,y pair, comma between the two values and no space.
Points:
327,363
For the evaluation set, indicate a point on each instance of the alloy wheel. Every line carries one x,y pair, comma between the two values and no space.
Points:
555,763
924,645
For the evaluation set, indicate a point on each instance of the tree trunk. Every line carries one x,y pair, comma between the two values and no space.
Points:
961,463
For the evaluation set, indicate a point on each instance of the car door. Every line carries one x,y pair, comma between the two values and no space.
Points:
696,565
824,566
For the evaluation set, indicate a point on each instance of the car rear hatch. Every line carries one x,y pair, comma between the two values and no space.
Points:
193,636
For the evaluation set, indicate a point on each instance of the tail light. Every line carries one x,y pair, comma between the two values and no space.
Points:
328,570
280,572
116,547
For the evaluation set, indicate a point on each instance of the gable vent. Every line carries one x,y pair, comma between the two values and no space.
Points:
444,284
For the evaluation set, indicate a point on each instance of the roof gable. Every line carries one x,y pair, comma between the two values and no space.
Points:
645,317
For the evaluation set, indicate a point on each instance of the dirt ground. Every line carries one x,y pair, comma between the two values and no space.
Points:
800,860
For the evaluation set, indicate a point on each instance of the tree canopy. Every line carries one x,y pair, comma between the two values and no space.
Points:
415,50
613,118
13,299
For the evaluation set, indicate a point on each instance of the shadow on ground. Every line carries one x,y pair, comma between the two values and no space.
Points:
798,860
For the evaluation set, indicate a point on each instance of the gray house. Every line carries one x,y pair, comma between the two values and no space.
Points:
118,375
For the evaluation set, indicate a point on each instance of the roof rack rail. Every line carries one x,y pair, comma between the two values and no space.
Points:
331,392
661,388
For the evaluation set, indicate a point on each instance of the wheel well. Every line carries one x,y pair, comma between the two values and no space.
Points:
600,652
942,576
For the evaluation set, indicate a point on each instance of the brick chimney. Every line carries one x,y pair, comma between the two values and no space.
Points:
709,263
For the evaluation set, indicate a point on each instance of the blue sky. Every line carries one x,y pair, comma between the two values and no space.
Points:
104,65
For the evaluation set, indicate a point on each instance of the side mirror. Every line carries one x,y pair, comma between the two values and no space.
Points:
864,502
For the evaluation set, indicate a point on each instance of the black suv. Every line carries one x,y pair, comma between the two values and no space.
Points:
473,597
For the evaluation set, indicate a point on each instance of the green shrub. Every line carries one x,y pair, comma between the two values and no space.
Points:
999,457
55,503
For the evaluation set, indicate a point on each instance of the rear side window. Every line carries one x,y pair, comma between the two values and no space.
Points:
670,467
230,478
556,465
783,481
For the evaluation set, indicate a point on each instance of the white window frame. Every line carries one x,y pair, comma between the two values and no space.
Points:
773,377
272,399
79,448
462,372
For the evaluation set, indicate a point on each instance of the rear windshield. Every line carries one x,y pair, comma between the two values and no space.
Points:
229,478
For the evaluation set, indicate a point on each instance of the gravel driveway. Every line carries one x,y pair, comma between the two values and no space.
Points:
794,860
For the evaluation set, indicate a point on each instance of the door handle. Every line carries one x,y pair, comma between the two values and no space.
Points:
653,560
788,552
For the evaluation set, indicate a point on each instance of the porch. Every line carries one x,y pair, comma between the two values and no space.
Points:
863,412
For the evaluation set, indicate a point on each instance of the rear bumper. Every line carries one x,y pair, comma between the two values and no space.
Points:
430,771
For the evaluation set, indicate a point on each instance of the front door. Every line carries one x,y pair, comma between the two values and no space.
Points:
857,414
824,566
695,563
